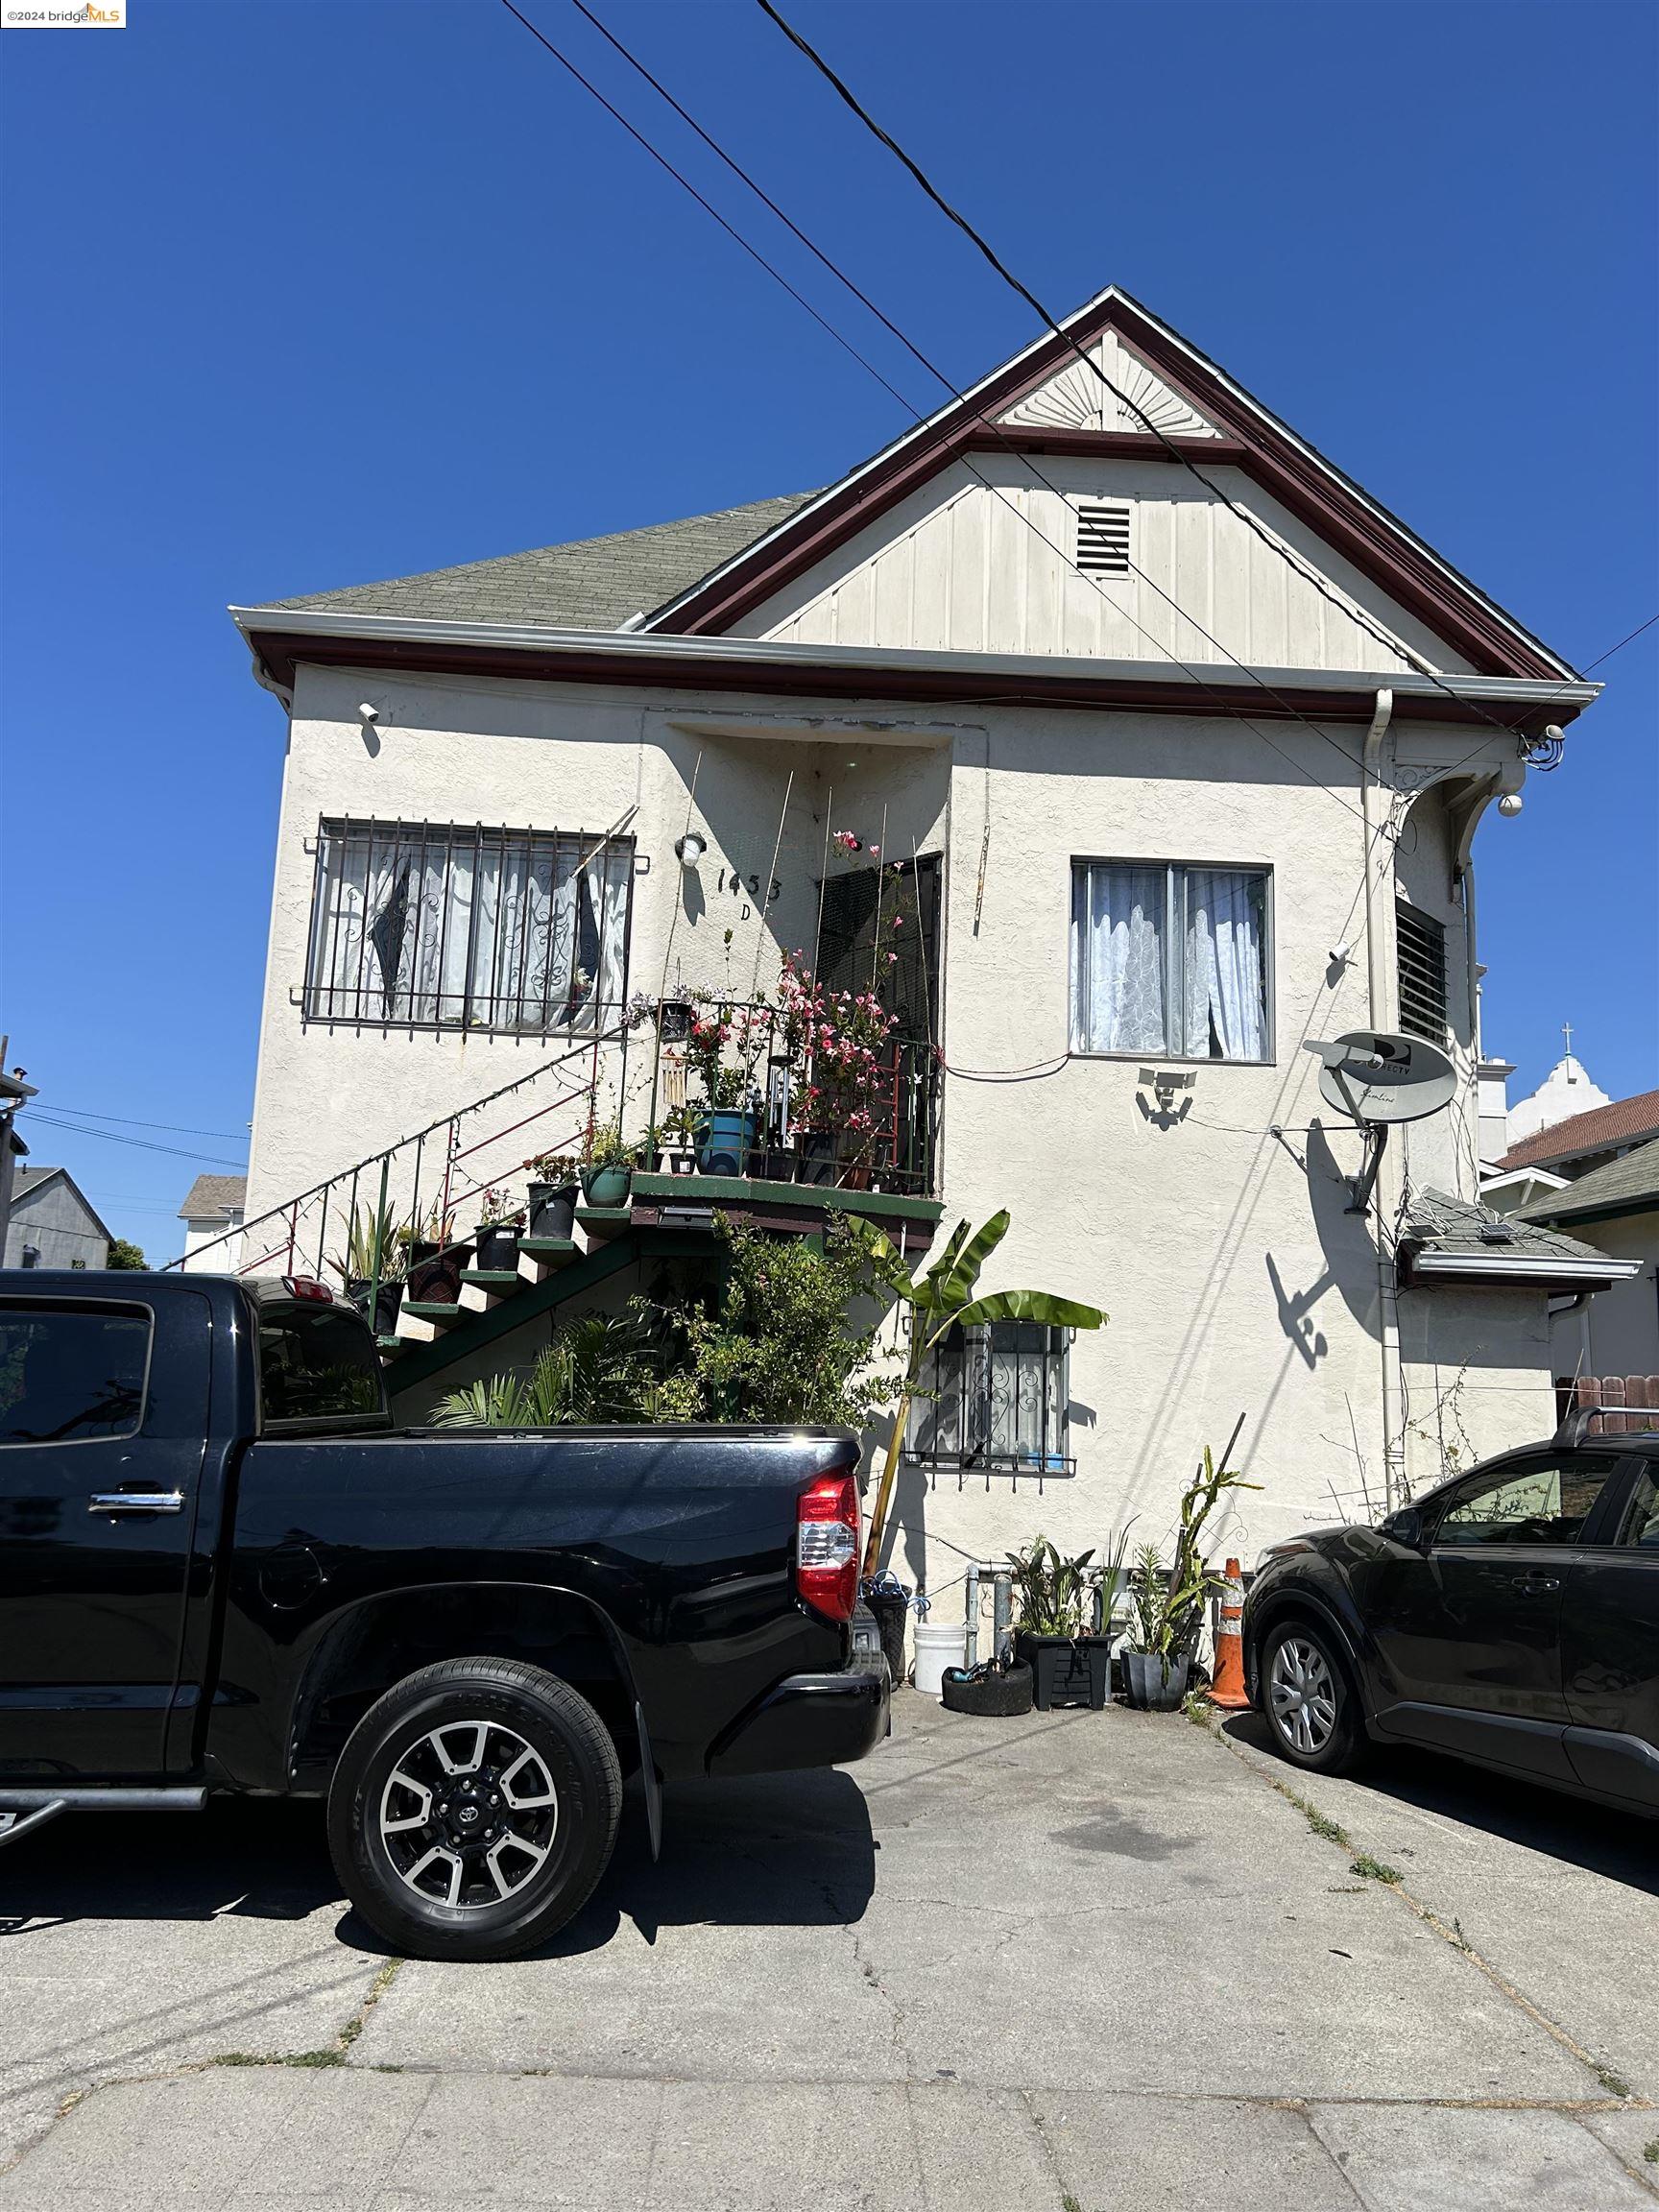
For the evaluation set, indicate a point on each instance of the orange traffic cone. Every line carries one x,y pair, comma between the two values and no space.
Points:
1228,1688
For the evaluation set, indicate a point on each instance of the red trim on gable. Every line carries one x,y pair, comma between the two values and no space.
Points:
1451,609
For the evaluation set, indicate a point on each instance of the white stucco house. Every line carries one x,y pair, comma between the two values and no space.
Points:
213,1215
1173,741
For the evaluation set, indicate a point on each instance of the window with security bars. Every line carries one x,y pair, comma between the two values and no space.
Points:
1422,954
1103,538
996,1398
433,926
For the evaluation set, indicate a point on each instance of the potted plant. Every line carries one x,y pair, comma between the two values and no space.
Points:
551,1199
499,1222
1069,1665
725,1130
373,1261
433,1275
606,1164
680,1136
1168,1601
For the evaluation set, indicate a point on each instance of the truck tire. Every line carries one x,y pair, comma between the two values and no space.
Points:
474,1809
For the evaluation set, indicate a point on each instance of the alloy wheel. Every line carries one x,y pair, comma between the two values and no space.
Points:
1302,1696
468,1813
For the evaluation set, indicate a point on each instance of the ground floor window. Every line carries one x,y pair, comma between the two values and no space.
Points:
1170,959
441,926
996,1398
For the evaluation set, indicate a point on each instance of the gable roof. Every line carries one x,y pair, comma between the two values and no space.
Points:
590,583
1462,1241
213,1194
1625,1122
30,1181
1628,1185
1237,430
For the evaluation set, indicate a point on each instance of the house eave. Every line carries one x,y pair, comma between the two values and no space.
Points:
280,640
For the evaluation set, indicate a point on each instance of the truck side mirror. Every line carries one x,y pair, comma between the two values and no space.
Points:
1406,1527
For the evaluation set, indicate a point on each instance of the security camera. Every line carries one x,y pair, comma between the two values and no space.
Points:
1340,954
367,712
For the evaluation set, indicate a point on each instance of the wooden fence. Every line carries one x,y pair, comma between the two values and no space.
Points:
1619,1404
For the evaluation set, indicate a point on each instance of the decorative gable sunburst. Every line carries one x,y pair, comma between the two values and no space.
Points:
1075,399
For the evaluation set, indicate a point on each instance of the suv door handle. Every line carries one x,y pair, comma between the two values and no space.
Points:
1534,1582
136,1502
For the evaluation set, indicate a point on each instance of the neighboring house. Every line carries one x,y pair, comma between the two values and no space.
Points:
52,1222
1177,776
212,1218
1576,1145
1614,1207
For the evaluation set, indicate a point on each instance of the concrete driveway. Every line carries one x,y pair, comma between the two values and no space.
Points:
1097,1962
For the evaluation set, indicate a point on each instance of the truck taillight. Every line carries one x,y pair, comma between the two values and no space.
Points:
827,1546
308,1286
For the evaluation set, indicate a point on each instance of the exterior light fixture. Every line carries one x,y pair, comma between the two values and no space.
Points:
689,850
1509,804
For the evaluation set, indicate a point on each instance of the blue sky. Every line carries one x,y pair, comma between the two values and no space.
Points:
299,293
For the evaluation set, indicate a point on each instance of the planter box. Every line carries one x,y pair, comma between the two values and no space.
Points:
1068,1669
1147,1687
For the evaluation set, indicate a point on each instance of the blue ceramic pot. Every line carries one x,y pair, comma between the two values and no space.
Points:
724,1140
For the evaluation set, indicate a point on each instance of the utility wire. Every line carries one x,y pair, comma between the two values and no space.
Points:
933,368
1172,446
41,1120
911,409
127,1122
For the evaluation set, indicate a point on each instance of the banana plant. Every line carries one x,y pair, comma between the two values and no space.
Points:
944,1298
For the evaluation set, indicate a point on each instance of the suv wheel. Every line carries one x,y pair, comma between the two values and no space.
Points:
1310,1707
473,1810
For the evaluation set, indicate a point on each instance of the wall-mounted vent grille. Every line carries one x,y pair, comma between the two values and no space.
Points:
1422,945
1103,539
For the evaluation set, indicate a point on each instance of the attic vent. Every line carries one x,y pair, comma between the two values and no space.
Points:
1103,539
1421,944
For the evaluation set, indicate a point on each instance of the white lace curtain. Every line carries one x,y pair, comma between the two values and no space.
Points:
1129,996
514,932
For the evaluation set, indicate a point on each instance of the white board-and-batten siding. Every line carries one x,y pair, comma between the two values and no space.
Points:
983,558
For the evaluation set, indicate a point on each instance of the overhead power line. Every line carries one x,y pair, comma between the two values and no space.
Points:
127,1122
1174,446
38,1120
754,252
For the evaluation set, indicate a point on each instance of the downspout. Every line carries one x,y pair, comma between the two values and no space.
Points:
1376,1002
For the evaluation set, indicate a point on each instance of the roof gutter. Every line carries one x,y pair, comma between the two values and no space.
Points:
707,656
1522,1268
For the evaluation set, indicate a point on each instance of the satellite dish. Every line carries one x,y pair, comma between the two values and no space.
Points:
1380,1075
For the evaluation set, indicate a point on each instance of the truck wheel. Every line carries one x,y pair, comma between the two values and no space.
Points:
474,1809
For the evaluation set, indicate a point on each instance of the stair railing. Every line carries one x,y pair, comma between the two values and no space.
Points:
284,1231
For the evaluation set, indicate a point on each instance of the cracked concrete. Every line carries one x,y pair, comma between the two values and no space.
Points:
1083,1959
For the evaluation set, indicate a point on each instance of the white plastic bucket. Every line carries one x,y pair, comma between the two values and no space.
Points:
937,1646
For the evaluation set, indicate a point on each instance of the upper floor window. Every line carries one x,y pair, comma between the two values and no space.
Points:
1421,952
1171,960
438,926
994,1396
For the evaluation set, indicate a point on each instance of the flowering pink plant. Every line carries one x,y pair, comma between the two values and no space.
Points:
839,1042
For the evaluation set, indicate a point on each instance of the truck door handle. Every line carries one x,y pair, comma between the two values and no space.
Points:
1535,1584
136,1502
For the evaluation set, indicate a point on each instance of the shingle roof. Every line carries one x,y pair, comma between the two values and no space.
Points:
1624,1122
1629,1185
593,584
1461,1227
212,1194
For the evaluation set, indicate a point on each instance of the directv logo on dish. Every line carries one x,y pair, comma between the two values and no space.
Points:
89,15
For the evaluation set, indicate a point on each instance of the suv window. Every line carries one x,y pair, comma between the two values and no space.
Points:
317,1363
1543,1501
69,1374
1642,1519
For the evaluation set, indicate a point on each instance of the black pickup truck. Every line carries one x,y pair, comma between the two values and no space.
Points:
222,1568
